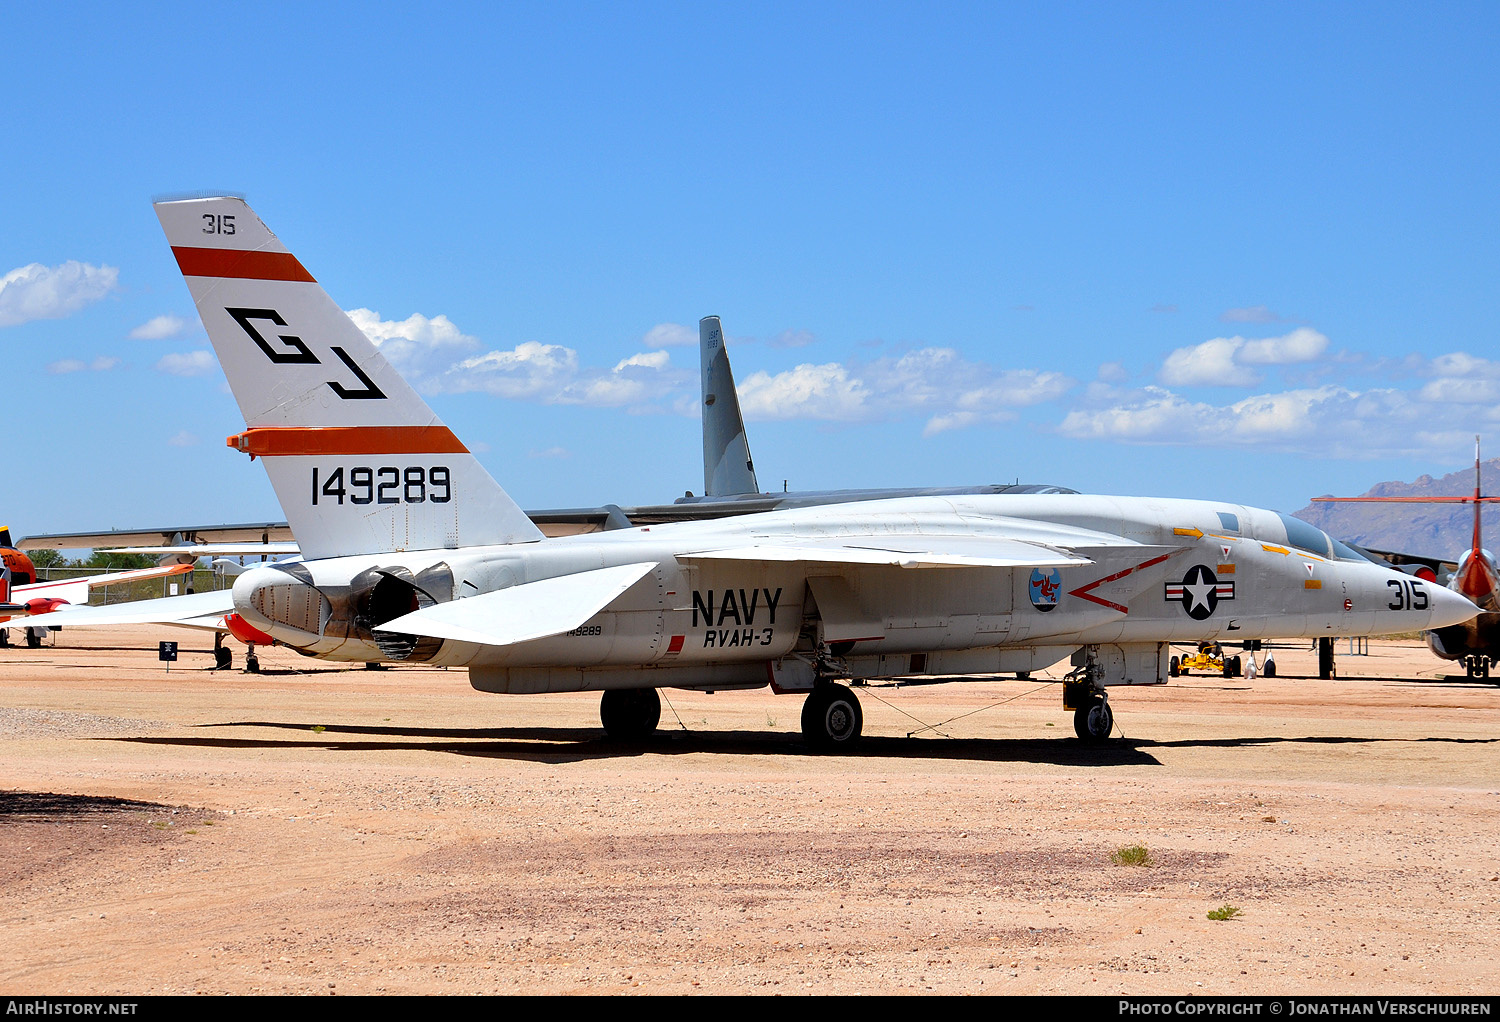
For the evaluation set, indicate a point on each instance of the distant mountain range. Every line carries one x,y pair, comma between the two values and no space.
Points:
1437,530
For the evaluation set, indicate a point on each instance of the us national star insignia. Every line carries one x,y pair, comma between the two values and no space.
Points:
1199,592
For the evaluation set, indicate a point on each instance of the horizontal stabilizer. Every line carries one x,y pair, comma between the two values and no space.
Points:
903,552
69,590
520,613
195,610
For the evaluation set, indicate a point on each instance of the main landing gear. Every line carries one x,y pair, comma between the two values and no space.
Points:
832,718
629,714
1477,667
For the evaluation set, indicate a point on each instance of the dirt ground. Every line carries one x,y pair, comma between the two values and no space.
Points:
321,830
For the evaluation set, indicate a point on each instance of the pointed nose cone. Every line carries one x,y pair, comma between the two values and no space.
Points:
1448,608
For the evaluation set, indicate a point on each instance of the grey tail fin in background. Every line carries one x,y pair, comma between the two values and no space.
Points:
727,468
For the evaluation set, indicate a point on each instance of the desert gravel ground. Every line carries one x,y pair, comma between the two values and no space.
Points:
321,830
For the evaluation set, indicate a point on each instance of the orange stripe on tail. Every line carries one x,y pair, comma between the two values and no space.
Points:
230,262
290,441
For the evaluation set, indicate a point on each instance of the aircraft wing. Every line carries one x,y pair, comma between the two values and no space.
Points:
212,549
195,610
251,532
76,590
899,551
533,610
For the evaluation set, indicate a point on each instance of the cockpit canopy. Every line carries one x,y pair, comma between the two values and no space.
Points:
1315,541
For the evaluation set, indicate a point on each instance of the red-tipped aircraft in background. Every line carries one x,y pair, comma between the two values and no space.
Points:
1477,641
21,595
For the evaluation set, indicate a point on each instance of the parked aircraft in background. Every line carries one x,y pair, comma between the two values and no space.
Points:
1476,642
411,552
22,595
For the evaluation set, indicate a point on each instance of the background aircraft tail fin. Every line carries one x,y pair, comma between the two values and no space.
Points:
727,468
1478,546
359,462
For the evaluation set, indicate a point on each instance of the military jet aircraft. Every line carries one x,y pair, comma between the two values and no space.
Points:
1476,641
412,552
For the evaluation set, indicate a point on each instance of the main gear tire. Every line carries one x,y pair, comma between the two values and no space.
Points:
832,718
629,714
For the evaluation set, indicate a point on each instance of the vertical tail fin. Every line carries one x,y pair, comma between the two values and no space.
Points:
727,468
359,462
1478,504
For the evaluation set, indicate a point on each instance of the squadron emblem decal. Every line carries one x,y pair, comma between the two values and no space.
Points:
1199,592
1045,588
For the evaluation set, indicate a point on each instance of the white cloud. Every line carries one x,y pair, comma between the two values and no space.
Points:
417,346
953,420
52,292
646,360
1209,364
935,381
1461,390
806,392
1291,418
1459,378
529,370
1227,361
669,335
1326,421
1459,364
183,439
550,452
1113,372
103,363
188,363
159,328
552,374
1301,345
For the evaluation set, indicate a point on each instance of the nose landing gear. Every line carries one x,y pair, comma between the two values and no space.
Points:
1094,721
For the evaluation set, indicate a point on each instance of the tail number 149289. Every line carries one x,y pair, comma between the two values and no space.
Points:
387,484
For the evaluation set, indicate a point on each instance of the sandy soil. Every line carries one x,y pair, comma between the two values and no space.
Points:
320,830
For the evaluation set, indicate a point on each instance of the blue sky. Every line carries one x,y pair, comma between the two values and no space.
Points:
1239,251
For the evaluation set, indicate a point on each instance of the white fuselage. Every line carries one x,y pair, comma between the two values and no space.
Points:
1160,570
